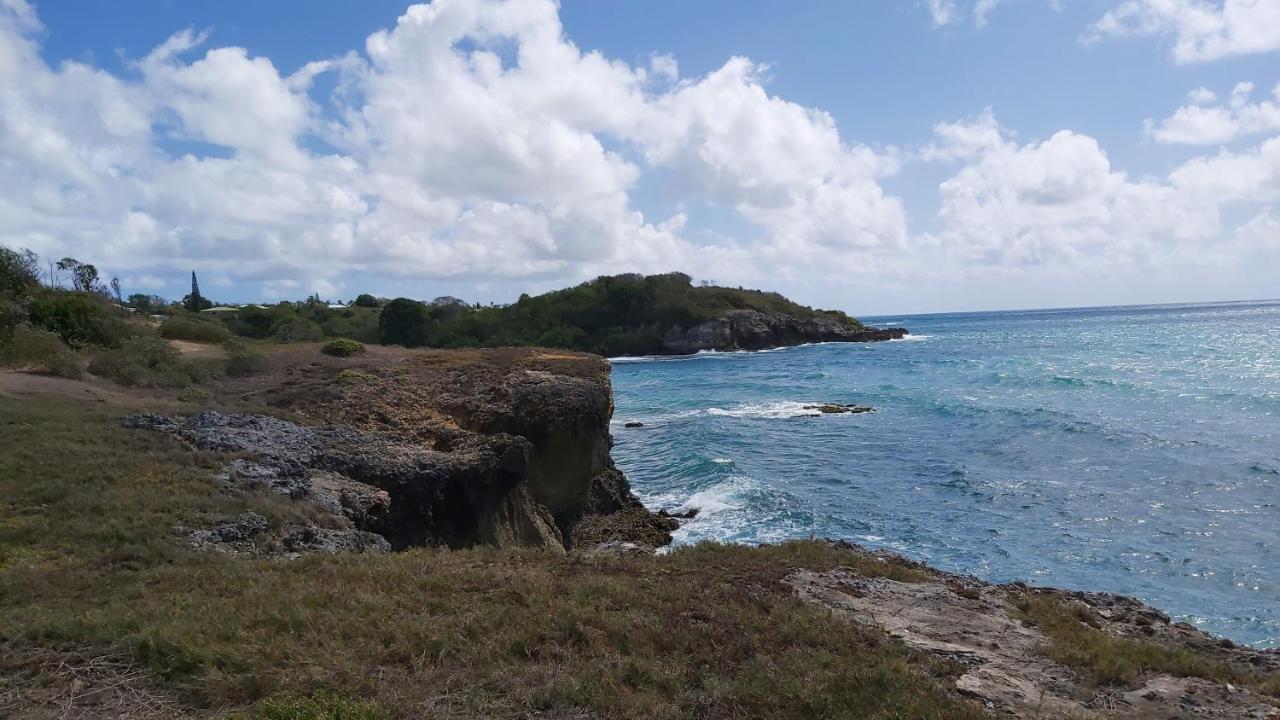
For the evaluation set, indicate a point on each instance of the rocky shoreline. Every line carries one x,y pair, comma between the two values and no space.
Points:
508,448
511,448
754,330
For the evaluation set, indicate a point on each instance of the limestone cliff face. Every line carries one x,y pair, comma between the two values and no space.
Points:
505,447
754,330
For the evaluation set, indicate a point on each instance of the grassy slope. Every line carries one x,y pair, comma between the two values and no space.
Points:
87,564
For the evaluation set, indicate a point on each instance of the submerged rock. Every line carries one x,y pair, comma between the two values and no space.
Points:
837,409
633,424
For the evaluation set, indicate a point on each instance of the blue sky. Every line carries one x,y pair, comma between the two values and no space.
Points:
823,166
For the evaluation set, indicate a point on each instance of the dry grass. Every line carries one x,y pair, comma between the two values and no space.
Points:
87,561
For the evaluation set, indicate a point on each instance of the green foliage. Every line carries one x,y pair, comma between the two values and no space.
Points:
80,318
194,328
19,272
147,304
35,349
366,300
195,394
342,347
618,315
243,361
194,302
322,705
355,377
1105,659
405,322
298,330
84,277
146,361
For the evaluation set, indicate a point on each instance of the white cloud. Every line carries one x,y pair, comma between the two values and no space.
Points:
944,12
1203,30
1060,202
470,139
1202,124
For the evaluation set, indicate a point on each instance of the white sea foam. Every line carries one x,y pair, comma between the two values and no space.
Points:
911,338
774,410
721,461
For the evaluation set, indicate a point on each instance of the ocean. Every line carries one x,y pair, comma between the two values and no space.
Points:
1124,449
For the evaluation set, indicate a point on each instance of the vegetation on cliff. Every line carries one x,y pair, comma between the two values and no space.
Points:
611,315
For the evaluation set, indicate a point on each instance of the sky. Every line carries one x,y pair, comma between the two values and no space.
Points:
877,157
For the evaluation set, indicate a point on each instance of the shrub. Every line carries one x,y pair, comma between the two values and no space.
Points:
194,394
404,322
242,360
355,377
342,347
195,329
80,318
299,331
12,314
19,272
36,349
146,362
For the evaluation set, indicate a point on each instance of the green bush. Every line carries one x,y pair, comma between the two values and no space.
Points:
146,362
34,349
80,318
195,394
299,331
195,329
342,347
243,361
405,322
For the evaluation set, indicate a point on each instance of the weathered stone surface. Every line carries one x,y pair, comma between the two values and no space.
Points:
754,330
974,623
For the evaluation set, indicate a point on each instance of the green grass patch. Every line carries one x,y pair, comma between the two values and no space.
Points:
1104,659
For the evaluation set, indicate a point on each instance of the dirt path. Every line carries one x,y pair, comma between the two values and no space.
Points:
198,351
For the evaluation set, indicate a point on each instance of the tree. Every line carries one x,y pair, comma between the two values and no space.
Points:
115,289
405,322
19,272
365,300
84,277
195,302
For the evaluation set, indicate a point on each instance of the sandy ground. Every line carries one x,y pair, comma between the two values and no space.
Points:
198,351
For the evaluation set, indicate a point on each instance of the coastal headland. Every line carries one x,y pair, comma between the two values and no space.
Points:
428,533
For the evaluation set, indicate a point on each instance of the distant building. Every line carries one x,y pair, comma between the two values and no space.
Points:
220,310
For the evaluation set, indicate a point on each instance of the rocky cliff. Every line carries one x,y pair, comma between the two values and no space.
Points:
754,330
498,447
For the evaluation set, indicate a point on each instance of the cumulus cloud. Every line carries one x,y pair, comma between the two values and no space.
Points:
1202,30
1201,123
472,138
1060,201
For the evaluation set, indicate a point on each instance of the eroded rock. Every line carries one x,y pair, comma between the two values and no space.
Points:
754,330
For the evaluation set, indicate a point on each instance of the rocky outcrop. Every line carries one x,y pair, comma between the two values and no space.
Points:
503,447
754,330
1004,660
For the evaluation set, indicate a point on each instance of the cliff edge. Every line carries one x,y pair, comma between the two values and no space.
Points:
501,447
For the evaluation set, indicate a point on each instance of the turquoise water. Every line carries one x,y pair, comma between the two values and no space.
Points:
1131,450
